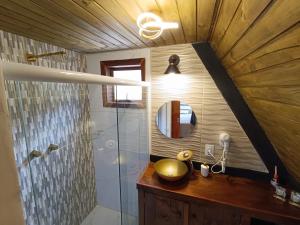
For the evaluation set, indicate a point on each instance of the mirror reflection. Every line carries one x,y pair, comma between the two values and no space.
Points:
176,119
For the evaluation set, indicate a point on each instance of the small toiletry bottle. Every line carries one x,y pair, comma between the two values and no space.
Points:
275,179
204,170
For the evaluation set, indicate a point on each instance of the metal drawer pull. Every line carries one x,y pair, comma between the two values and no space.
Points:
34,154
52,147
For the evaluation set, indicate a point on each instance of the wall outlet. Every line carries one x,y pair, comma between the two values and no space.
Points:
209,148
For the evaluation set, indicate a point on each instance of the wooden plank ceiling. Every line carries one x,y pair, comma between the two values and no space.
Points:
258,42
105,25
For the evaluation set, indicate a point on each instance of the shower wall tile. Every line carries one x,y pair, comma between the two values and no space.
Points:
195,87
45,113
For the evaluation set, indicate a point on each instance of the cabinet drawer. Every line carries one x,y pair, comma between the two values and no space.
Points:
164,211
208,214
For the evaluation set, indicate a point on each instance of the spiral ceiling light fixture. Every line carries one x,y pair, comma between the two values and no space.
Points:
151,26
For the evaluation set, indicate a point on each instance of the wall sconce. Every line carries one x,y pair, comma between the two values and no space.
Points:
173,62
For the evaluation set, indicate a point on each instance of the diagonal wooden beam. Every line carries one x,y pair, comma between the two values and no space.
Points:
242,112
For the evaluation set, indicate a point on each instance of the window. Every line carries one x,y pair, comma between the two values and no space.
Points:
125,96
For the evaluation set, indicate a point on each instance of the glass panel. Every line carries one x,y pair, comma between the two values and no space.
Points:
134,155
103,121
78,161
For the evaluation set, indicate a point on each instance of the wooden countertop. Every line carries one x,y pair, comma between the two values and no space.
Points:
250,196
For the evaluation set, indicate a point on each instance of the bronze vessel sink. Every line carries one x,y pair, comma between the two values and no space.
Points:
170,169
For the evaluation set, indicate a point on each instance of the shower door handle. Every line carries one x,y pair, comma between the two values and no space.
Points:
34,154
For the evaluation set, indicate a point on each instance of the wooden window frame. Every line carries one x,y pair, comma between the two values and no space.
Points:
107,69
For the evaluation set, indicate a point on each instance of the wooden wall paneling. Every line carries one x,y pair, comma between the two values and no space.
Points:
134,10
33,11
170,12
279,75
205,13
284,94
286,14
225,15
241,110
263,57
246,13
188,19
54,35
122,33
279,57
288,113
285,145
282,125
72,17
151,6
272,92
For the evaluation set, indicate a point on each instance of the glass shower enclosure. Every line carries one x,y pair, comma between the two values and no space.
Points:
78,160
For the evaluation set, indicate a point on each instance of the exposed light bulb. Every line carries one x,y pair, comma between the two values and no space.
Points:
151,26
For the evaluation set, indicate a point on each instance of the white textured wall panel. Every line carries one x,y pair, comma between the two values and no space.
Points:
196,87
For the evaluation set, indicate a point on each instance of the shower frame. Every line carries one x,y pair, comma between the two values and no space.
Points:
23,72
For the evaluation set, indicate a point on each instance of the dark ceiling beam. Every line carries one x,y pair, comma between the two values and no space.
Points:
242,112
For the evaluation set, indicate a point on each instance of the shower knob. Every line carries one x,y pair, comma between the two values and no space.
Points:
34,154
53,147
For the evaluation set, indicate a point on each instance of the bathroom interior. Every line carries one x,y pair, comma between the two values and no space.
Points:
149,112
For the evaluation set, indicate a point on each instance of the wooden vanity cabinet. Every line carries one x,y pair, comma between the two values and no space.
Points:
218,200
164,211
159,210
208,214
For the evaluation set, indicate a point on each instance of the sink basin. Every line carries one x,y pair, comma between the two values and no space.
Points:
170,169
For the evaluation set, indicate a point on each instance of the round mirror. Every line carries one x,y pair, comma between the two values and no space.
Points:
176,119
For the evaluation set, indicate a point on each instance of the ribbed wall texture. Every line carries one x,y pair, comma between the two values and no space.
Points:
195,87
51,113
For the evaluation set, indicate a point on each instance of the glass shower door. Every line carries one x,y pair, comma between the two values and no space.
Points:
133,149
104,133
79,159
